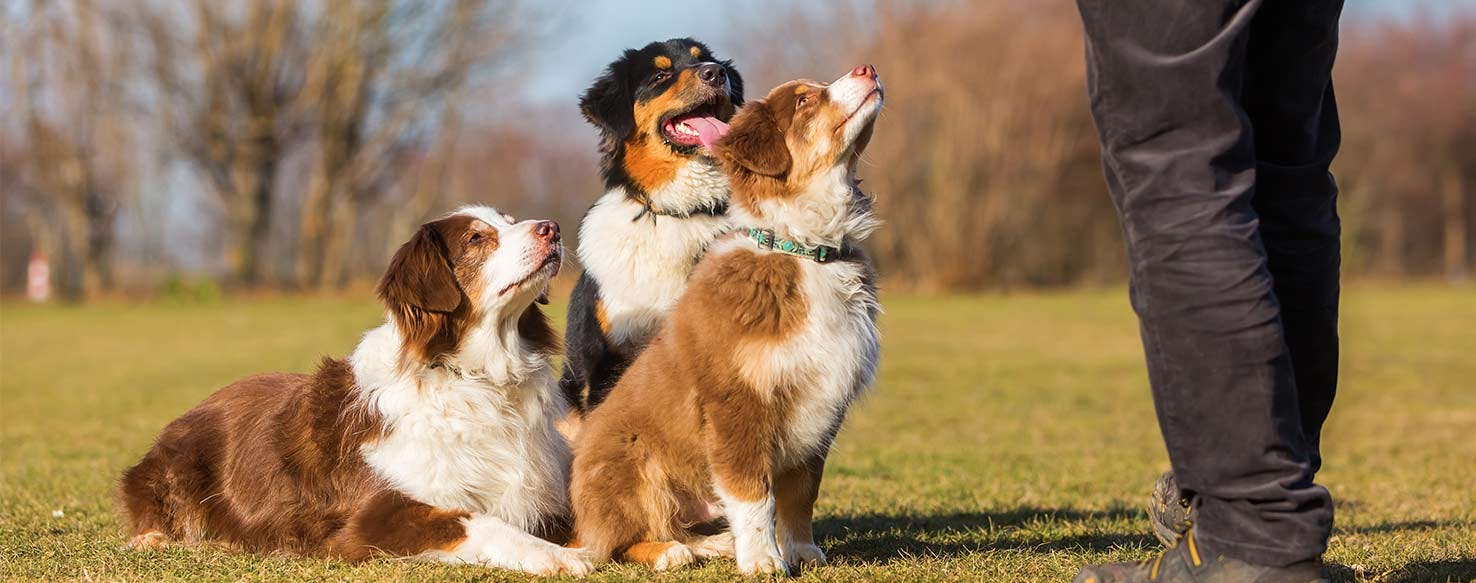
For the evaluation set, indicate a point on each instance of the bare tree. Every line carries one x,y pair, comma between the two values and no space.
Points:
229,80
380,85
357,86
65,68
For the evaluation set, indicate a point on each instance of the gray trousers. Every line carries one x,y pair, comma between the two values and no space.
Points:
1218,123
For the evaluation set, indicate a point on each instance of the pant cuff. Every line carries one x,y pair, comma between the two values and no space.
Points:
1273,556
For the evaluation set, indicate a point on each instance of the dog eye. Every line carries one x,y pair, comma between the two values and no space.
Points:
803,99
475,238
661,76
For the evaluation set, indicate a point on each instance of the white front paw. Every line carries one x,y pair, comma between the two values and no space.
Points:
675,555
555,560
718,545
761,561
804,555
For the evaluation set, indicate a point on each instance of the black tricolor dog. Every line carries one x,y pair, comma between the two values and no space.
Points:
659,110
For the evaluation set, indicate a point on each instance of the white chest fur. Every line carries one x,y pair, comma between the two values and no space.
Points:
827,363
642,264
460,442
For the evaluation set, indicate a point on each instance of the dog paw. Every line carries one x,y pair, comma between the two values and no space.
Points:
718,545
676,555
762,563
804,555
557,561
149,540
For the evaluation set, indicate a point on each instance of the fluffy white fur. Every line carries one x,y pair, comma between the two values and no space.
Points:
494,543
642,264
478,434
698,184
464,440
754,541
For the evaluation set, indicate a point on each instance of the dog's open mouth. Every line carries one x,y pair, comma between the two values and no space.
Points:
698,126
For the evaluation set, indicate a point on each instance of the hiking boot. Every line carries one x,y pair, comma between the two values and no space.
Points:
1170,512
1187,562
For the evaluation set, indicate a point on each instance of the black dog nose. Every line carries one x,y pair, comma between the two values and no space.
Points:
711,74
546,231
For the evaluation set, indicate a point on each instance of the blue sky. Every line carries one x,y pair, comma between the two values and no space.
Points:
589,34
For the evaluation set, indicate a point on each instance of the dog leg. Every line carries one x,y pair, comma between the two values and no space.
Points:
740,456
752,521
795,492
490,541
395,524
143,491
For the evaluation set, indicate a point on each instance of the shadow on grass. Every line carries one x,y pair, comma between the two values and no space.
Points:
877,538
1402,526
880,538
1457,570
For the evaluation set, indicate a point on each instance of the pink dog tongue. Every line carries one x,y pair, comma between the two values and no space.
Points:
709,129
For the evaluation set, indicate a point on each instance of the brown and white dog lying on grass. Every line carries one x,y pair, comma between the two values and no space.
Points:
735,403
435,439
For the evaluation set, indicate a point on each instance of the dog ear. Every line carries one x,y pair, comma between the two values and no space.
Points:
735,84
419,275
755,142
609,103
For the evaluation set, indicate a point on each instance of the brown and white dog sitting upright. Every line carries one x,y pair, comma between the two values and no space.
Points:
435,439
735,403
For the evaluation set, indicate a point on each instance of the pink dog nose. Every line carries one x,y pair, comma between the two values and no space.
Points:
867,71
546,231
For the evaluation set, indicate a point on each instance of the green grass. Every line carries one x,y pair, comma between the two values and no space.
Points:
1009,438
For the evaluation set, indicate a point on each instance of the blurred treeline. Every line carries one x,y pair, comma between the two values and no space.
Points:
279,144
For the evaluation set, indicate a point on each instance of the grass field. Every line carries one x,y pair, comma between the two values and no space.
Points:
1009,438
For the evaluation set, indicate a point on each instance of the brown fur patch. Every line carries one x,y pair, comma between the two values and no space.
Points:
424,286
760,294
393,524
696,52
650,163
795,492
662,62
228,468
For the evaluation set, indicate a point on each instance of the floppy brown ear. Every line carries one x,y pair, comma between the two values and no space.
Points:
419,275
755,142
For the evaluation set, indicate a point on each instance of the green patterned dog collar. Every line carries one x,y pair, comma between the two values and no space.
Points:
766,239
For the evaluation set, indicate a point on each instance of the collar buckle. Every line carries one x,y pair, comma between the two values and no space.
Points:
767,238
